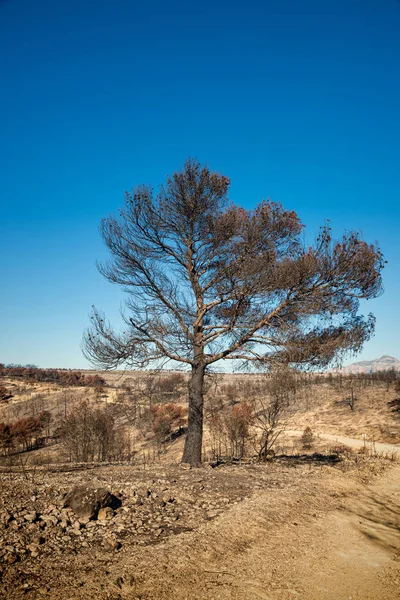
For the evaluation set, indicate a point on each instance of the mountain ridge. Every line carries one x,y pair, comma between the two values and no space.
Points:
384,363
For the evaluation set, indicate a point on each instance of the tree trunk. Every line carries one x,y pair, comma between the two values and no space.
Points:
194,436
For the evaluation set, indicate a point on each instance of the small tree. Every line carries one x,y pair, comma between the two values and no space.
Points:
352,384
6,438
269,419
5,394
164,418
209,281
90,434
237,423
307,439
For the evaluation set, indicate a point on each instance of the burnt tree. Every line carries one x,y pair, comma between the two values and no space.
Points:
207,280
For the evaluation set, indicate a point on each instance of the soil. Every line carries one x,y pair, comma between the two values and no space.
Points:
310,527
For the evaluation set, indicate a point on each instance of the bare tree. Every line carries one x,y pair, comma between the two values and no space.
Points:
270,419
208,281
272,409
352,385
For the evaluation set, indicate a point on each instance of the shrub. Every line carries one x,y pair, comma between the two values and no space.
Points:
307,439
6,439
5,394
237,423
164,418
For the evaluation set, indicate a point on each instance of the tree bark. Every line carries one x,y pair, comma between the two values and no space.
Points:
194,436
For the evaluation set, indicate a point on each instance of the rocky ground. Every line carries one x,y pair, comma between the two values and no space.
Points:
38,532
126,549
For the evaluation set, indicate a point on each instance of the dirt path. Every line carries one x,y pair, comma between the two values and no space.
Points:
352,442
356,551
334,539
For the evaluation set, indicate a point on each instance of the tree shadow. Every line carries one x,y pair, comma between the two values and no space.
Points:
293,460
379,520
317,459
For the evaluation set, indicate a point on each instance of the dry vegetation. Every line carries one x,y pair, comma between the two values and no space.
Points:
51,417
125,432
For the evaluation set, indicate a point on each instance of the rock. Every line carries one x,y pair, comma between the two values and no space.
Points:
112,544
86,500
11,558
6,517
50,520
105,514
185,466
30,517
34,550
39,541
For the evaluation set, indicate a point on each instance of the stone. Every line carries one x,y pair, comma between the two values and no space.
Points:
86,500
50,520
30,517
34,550
105,514
11,558
112,544
167,497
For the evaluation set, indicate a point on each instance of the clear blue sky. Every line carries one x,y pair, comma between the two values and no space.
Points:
297,101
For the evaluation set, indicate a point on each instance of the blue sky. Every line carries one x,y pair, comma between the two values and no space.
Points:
297,101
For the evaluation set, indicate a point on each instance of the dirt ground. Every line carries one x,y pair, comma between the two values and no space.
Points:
307,529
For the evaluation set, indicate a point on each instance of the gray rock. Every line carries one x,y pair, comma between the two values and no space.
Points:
86,500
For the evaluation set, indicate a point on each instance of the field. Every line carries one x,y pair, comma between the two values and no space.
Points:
312,519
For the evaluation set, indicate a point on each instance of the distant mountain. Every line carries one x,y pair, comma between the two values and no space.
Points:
384,363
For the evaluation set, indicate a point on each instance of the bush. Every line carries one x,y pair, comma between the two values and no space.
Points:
25,432
237,423
307,439
164,418
32,374
5,394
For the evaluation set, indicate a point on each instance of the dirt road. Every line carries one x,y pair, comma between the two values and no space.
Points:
335,539
356,549
353,443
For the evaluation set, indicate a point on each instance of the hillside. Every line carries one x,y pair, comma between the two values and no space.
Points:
242,527
384,363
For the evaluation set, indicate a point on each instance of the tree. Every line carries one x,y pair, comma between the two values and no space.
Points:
4,393
207,280
307,438
237,423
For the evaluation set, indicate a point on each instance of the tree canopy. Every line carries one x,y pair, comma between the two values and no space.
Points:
207,280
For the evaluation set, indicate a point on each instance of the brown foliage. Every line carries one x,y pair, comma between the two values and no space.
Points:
65,378
307,438
24,432
164,418
237,423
